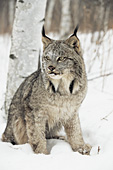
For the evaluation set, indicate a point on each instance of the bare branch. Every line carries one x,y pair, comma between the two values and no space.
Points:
104,75
105,118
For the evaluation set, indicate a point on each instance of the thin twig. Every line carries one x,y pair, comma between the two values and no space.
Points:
104,75
105,118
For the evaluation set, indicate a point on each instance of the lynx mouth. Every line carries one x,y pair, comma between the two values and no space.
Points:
55,75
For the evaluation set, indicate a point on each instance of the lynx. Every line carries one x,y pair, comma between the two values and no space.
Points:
50,98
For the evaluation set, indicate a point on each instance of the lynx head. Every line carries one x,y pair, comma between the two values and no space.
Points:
62,57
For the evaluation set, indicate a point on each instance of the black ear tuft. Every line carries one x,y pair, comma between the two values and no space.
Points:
43,31
76,29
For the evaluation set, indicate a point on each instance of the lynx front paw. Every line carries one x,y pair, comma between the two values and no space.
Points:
44,151
84,149
37,149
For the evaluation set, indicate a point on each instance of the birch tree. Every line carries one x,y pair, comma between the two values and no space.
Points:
65,18
25,43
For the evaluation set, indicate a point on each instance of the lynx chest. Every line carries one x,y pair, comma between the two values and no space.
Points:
54,106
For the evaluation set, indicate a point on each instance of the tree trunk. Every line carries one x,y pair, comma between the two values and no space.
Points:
11,11
25,44
49,14
65,19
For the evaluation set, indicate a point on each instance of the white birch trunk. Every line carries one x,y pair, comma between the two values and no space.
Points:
25,44
65,18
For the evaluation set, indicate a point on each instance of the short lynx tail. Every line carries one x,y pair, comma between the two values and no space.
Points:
17,134
8,137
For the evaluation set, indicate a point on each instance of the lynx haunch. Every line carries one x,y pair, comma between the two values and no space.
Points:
50,98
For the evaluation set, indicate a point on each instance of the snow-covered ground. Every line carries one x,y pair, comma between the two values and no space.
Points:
96,116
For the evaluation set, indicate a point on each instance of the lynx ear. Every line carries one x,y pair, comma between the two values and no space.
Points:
46,40
74,42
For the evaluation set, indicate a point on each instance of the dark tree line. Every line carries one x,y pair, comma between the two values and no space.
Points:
91,15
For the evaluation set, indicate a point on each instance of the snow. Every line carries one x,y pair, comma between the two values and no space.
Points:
96,116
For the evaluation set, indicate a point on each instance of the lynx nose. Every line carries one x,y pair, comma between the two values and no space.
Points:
51,68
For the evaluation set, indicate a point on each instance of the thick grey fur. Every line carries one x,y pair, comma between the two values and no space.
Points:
50,98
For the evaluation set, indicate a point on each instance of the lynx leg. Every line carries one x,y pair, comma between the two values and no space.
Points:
35,126
19,131
74,136
53,132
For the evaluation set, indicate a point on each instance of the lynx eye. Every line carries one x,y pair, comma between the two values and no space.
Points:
47,58
60,59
